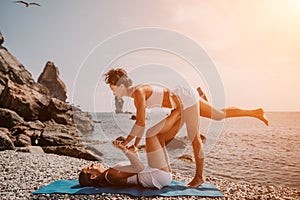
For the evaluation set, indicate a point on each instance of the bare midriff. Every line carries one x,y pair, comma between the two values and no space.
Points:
167,101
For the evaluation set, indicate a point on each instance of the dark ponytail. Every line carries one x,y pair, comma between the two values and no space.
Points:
85,180
117,77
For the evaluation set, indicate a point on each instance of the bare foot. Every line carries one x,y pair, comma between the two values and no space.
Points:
203,138
261,115
197,181
201,94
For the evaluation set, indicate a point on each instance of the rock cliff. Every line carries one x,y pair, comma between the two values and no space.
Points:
36,114
1,39
50,79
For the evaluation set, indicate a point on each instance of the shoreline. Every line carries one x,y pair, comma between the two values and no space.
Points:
23,173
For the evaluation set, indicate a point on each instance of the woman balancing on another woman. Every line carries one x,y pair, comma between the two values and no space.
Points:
187,107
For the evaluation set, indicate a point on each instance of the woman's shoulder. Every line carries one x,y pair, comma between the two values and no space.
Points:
143,86
142,89
116,177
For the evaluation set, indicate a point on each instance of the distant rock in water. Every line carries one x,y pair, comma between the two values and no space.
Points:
187,158
50,78
119,104
133,117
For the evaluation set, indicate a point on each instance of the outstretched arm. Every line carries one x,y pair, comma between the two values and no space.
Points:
135,165
138,129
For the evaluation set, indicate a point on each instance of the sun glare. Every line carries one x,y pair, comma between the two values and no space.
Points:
294,6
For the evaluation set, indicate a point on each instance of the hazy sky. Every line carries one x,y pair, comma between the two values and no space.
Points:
254,45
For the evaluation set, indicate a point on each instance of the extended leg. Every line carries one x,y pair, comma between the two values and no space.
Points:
206,110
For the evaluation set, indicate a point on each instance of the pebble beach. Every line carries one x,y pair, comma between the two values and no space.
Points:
23,173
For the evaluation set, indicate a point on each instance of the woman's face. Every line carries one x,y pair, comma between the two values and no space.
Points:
94,169
118,91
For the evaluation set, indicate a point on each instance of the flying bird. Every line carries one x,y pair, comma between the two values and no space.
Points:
27,3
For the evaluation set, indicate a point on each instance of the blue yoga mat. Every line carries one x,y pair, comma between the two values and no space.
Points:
174,189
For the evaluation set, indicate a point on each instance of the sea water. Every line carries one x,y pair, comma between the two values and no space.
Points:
237,149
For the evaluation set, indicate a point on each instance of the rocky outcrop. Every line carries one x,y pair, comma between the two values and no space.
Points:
12,69
33,105
72,151
9,118
52,126
27,133
60,112
28,103
33,114
5,141
56,139
82,120
119,104
31,149
63,113
50,78
1,39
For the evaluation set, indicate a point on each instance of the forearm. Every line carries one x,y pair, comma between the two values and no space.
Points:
135,163
136,131
128,139
137,141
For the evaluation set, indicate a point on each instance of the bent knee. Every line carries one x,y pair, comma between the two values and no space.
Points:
150,133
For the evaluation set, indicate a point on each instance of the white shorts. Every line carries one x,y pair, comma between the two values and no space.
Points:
151,178
188,97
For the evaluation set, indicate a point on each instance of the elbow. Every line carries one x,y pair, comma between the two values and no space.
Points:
140,167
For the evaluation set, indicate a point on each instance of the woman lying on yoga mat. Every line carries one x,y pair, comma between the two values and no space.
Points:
156,174
186,107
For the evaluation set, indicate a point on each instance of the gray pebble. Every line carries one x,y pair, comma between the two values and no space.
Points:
22,173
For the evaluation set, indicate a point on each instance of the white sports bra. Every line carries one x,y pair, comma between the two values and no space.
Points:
156,98
106,178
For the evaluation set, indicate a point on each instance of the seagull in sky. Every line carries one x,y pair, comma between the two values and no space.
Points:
27,3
